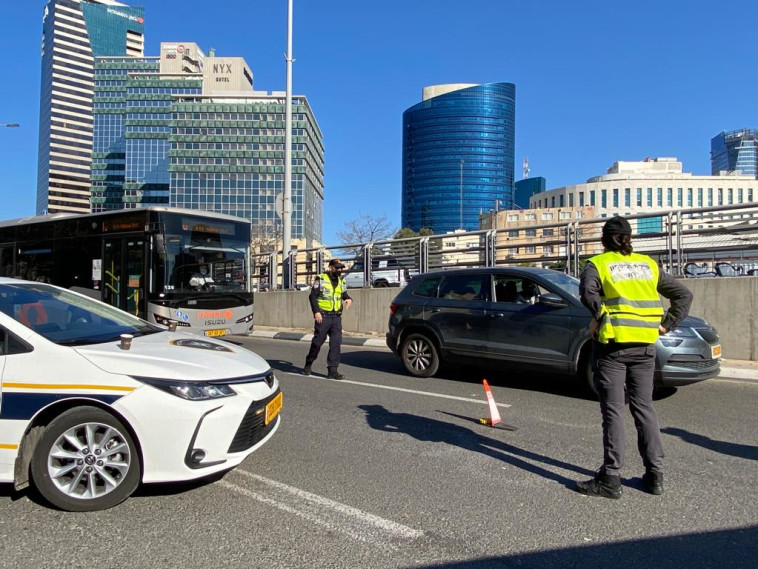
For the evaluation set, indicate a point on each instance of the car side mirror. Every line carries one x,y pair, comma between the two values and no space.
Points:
552,300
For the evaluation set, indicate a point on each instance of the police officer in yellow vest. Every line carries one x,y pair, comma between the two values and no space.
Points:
328,297
621,290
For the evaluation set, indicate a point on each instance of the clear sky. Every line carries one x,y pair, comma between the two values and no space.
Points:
596,80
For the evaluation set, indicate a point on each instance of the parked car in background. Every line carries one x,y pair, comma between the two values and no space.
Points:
96,400
530,318
385,272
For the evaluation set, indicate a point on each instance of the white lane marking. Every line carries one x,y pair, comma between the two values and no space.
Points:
404,390
322,511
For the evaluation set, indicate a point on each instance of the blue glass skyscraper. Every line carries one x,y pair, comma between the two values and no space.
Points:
736,150
458,155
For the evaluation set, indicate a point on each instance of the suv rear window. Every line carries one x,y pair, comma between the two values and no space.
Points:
428,287
464,287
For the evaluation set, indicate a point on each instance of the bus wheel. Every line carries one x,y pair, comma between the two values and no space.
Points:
86,460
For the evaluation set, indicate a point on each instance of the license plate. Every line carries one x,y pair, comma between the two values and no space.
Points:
716,351
215,332
272,408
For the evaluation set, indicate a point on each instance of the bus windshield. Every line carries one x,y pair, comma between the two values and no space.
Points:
204,258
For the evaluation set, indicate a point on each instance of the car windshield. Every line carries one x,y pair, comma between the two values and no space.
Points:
67,318
566,283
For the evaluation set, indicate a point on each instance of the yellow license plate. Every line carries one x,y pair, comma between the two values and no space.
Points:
272,408
716,351
215,332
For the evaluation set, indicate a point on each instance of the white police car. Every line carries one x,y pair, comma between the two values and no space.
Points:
94,401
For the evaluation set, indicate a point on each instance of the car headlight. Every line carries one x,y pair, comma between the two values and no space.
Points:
192,391
247,318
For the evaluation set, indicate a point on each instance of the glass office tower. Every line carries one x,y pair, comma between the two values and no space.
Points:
736,150
73,33
227,156
458,155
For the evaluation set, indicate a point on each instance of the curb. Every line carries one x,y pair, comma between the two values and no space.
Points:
727,372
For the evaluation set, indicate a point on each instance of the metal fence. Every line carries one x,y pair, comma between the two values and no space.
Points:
715,241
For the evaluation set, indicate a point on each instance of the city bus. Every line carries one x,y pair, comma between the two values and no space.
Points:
169,266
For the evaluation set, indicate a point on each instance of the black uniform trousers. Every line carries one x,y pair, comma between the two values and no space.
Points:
331,325
622,372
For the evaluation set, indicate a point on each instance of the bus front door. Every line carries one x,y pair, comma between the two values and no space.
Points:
123,274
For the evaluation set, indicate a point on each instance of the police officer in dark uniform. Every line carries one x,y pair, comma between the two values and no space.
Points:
328,297
621,290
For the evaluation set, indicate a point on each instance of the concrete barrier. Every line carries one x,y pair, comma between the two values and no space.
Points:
729,303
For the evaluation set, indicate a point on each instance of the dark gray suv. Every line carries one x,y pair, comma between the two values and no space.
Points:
531,318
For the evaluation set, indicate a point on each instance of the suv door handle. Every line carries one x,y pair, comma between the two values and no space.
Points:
434,310
497,315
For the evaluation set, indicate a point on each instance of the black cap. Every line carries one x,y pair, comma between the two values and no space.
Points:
336,264
617,226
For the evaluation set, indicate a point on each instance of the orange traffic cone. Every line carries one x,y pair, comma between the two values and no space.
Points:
494,413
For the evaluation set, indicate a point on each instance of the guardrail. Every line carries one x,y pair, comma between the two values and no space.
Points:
715,241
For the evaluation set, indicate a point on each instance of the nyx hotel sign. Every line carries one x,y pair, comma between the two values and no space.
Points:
222,68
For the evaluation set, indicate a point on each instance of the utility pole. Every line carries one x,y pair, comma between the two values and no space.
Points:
287,202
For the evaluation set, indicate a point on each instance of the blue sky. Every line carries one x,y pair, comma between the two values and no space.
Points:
596,81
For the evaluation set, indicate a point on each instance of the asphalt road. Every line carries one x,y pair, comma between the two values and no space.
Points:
384,470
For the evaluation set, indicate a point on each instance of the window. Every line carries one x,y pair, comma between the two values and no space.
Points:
547,216
530,250
10,344
700,197
581,199
592,197
560,201
571,199
464,287
639,197
547,250
547,232
721,197
530,217
428,287
650,197
670,197
604,199
750,194
615,197
552,201
565,215
739,195
660,197
513,233
512,217
530,233
730,194
710,197
689,197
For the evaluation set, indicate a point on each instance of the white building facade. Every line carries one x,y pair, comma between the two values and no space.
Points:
655,184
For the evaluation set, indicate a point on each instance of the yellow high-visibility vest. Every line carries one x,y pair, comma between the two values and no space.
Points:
330,297
632,309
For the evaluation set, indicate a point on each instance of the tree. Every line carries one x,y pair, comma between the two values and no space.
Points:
366,228
408,232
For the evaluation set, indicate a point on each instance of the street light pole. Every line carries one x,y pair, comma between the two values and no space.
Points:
460,220
287,201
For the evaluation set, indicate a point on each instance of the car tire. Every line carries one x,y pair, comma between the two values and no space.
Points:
420,356
585,373
381,284
86,460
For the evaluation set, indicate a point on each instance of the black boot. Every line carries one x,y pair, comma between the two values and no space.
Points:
334,374
307,369
601,486
653,482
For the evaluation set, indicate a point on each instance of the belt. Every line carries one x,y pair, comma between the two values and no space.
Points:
331,313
